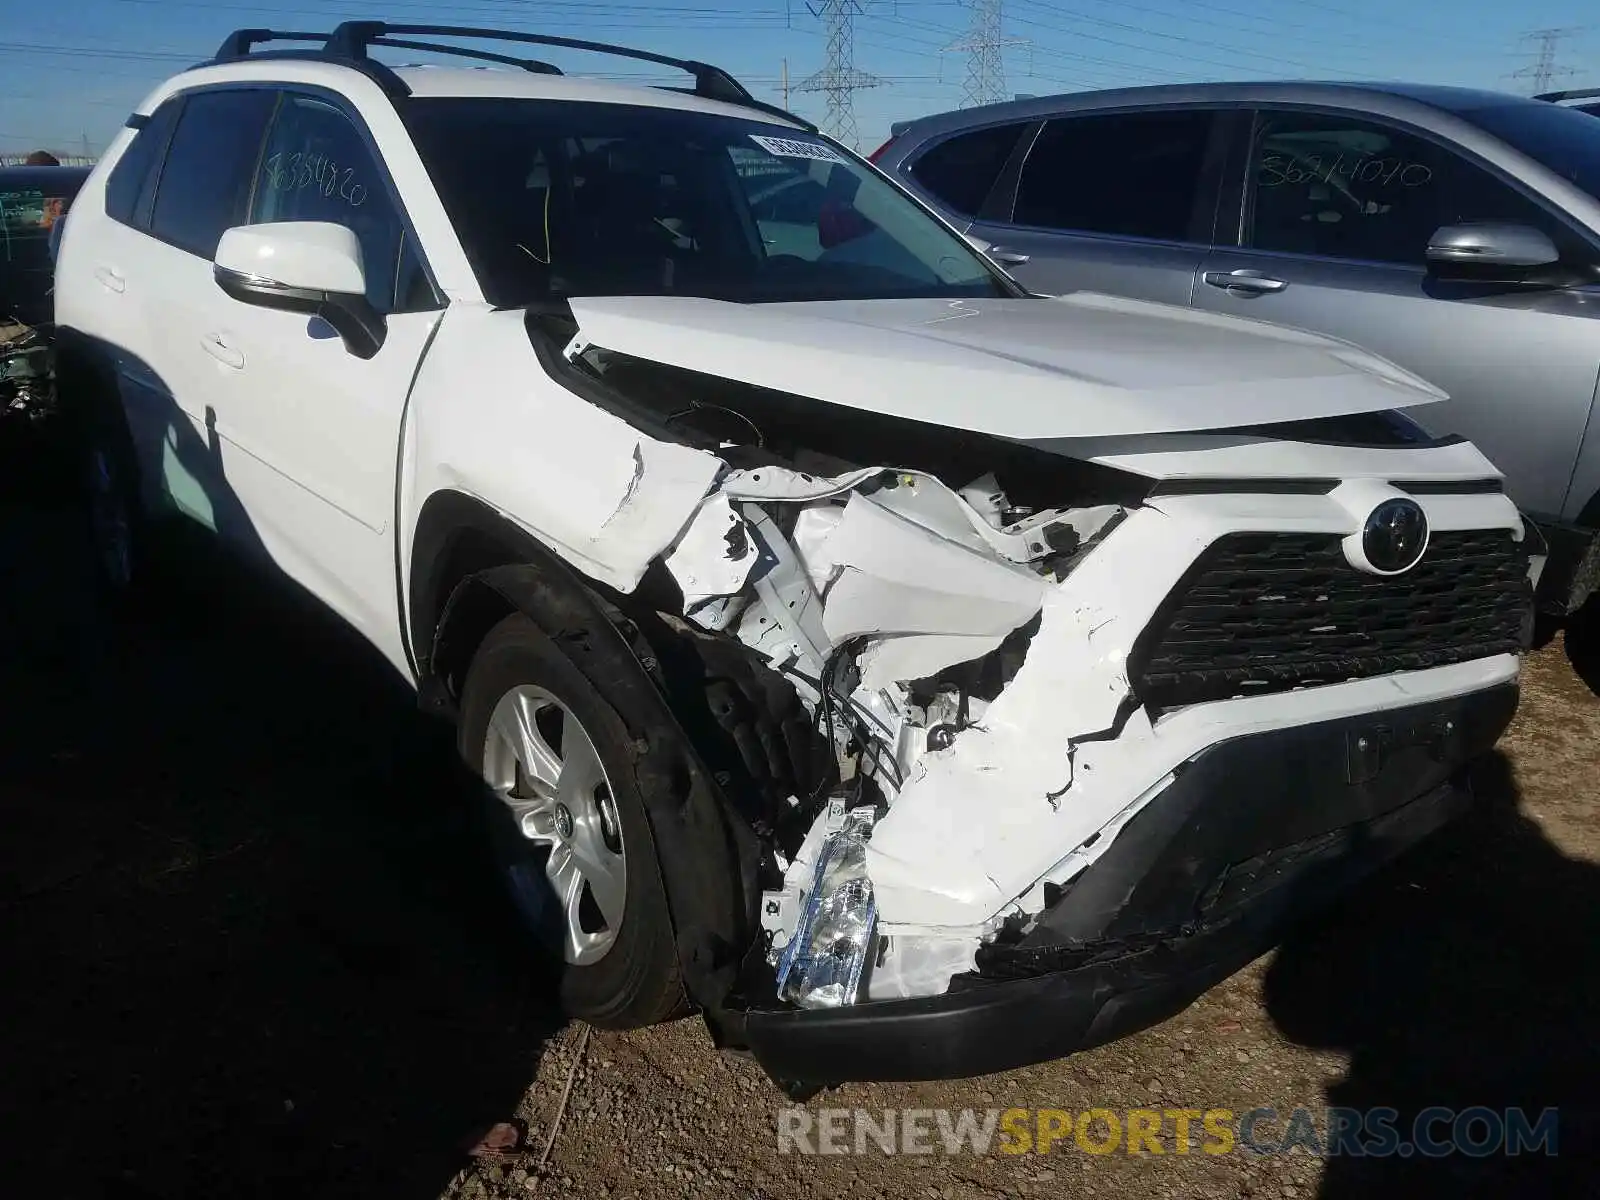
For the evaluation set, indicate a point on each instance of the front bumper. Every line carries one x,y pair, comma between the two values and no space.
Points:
1252,832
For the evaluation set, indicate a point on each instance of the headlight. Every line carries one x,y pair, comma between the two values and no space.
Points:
822,964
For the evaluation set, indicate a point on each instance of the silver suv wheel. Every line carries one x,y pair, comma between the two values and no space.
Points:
542,764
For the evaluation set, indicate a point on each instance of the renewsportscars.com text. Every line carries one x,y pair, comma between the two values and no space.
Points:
1326,1132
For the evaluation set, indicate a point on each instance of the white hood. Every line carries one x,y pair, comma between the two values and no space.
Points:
1084,365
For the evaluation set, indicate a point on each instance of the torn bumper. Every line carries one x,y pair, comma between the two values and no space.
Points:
1252,832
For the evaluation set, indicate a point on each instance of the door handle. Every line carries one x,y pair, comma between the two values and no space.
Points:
1252,283
222,350
111,279
1009,258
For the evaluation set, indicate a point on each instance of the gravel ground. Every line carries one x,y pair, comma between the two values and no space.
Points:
249,952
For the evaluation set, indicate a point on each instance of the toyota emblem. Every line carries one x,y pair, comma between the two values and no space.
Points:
1394,537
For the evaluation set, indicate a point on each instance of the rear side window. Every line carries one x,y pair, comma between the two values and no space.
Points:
1125,174
211,163
960,171
132,182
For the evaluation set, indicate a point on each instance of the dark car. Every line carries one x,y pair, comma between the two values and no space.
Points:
33,201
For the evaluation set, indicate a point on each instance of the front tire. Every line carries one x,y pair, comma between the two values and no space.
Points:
568,827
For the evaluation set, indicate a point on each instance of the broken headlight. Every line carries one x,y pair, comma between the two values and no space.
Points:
822,964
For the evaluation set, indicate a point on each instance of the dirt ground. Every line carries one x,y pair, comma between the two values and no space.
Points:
250,952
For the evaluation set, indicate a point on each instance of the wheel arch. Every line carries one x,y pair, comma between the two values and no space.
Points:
455,538
470,569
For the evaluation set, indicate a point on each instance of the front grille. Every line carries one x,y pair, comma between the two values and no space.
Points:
1266,612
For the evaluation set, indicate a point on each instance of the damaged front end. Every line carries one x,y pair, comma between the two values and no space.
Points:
898,609
1059,701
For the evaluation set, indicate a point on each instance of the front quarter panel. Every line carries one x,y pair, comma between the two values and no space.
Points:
488,422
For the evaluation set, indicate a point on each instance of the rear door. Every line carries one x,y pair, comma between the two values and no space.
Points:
1330,235
185,179
1120,202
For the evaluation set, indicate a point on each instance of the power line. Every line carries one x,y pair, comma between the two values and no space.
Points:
839,81
983,44
1179,38
1037,51
1543,69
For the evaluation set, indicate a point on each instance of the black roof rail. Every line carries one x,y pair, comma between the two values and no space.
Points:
239,43
350,40
527,64
1573,94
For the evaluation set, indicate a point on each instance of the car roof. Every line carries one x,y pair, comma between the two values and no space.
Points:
433,82
49,180
1380,97
527,85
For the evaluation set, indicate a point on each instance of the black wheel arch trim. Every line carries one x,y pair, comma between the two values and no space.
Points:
708,855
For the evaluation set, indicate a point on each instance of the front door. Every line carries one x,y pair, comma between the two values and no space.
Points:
311,433
1337,214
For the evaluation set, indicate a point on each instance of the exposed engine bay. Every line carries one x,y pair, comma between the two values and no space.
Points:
897,606
936,601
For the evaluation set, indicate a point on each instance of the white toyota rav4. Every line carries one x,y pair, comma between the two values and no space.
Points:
916,676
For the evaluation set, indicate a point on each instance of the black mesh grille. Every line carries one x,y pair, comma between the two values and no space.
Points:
1266,612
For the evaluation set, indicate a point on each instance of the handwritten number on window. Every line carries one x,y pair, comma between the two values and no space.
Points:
1277,170
296,172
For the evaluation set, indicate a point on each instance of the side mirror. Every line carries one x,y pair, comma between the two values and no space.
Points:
1492,252
305,267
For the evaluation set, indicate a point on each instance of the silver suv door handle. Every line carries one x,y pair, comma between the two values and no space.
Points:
110,279
1009,258
1252,282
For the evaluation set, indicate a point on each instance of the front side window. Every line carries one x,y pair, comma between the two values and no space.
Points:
554,199
1342,187
1135,174
318,167
960,170
204,187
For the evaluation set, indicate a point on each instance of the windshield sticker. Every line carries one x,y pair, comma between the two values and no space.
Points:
795,148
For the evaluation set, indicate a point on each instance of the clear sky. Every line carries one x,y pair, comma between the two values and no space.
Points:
71,70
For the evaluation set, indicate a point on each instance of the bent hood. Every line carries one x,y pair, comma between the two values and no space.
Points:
1083,365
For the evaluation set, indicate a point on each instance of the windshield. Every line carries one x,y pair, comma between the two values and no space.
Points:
1566,140
556,198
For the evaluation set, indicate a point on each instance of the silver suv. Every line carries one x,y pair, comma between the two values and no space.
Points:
1456,232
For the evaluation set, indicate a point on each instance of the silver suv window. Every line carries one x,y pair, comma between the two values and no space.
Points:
1132,174
960,171
1566,140
1337,186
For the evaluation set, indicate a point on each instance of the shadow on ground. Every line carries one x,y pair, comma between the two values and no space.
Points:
1466,975
1583,643
249,947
